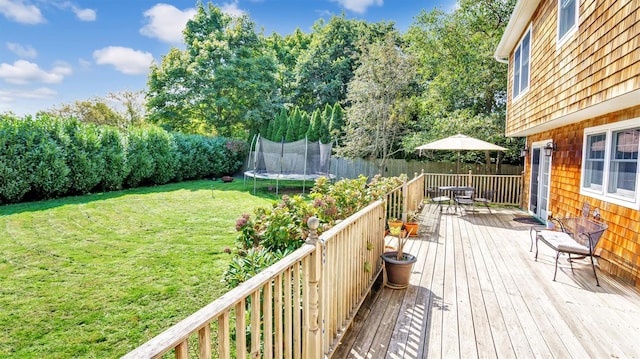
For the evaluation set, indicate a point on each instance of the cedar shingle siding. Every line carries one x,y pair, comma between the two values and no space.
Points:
600,62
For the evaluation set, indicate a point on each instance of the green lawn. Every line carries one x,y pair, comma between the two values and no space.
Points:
96,276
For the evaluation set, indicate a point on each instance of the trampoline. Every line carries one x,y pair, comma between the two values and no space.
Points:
291,161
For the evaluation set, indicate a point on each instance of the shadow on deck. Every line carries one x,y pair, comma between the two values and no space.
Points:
476,291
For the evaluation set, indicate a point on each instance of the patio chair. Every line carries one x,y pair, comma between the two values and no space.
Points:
436,196
463,198
486,198
576,235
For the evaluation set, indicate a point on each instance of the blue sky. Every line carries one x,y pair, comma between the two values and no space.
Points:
59,51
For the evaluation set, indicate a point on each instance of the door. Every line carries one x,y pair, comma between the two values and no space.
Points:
540,178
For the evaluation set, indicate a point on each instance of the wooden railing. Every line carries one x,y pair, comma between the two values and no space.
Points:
508,188
297,308
301,306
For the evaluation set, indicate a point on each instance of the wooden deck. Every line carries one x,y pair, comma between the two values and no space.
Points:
476,291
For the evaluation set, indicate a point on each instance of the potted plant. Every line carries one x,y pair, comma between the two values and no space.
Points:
412,225
395,225
398,265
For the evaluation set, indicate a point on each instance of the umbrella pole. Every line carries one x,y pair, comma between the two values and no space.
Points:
458,170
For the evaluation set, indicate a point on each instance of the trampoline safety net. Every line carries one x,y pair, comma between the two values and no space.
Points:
299,160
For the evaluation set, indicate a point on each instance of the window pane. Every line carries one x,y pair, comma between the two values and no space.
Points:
624,162
567,17
524,72
594,161
516,72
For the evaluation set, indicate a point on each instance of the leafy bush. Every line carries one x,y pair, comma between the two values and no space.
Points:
163,151
114,154
284,226
14,168
86,166
49,157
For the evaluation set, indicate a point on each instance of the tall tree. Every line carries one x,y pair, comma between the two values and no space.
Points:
224,80
325,69
382,102
464,87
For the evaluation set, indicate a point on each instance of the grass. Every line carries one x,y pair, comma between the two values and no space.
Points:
96,276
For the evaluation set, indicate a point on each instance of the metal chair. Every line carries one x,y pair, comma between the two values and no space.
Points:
436,197
463,198
577,235
486,198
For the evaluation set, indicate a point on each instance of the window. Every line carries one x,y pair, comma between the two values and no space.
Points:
567,18
521,65
610,163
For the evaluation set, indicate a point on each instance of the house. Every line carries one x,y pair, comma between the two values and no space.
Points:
574,93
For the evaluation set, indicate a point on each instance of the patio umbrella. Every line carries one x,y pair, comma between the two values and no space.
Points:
459,143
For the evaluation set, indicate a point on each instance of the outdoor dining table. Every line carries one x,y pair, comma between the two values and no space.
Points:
454,190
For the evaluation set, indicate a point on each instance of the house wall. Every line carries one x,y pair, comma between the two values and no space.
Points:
619,248
599,62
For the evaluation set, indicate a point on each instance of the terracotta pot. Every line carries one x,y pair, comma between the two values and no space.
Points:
412,228
398,271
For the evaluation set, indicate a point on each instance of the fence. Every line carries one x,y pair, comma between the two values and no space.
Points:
351,168
508,188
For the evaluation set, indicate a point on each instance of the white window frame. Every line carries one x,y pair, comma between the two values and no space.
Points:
517,67
567,35
620,198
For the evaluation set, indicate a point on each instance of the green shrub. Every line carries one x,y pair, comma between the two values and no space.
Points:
86,165
284,226
113,152
47,158
50,157
14,170
162,149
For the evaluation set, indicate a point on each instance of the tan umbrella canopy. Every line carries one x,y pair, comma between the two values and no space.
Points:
459,143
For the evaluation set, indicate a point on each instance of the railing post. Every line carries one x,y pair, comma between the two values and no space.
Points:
405,199
313,345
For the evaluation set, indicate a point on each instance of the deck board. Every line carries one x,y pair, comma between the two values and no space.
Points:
476,291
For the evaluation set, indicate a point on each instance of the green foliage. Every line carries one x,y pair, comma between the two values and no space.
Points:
139,157
283,227
83,156
223,82
114,153
50,157
329,62
382,102
250,263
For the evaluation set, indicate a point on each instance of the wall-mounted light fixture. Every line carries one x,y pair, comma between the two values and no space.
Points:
524,152
550,148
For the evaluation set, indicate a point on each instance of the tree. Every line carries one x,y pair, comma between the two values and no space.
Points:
325,69
382,103
94,111
223,82
464,87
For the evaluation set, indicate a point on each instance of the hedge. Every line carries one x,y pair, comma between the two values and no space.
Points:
49,157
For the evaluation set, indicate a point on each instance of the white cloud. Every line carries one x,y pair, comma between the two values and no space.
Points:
124,59
22,51
232,9
166,22
23,72
84,14
359,6
18,11
10,95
